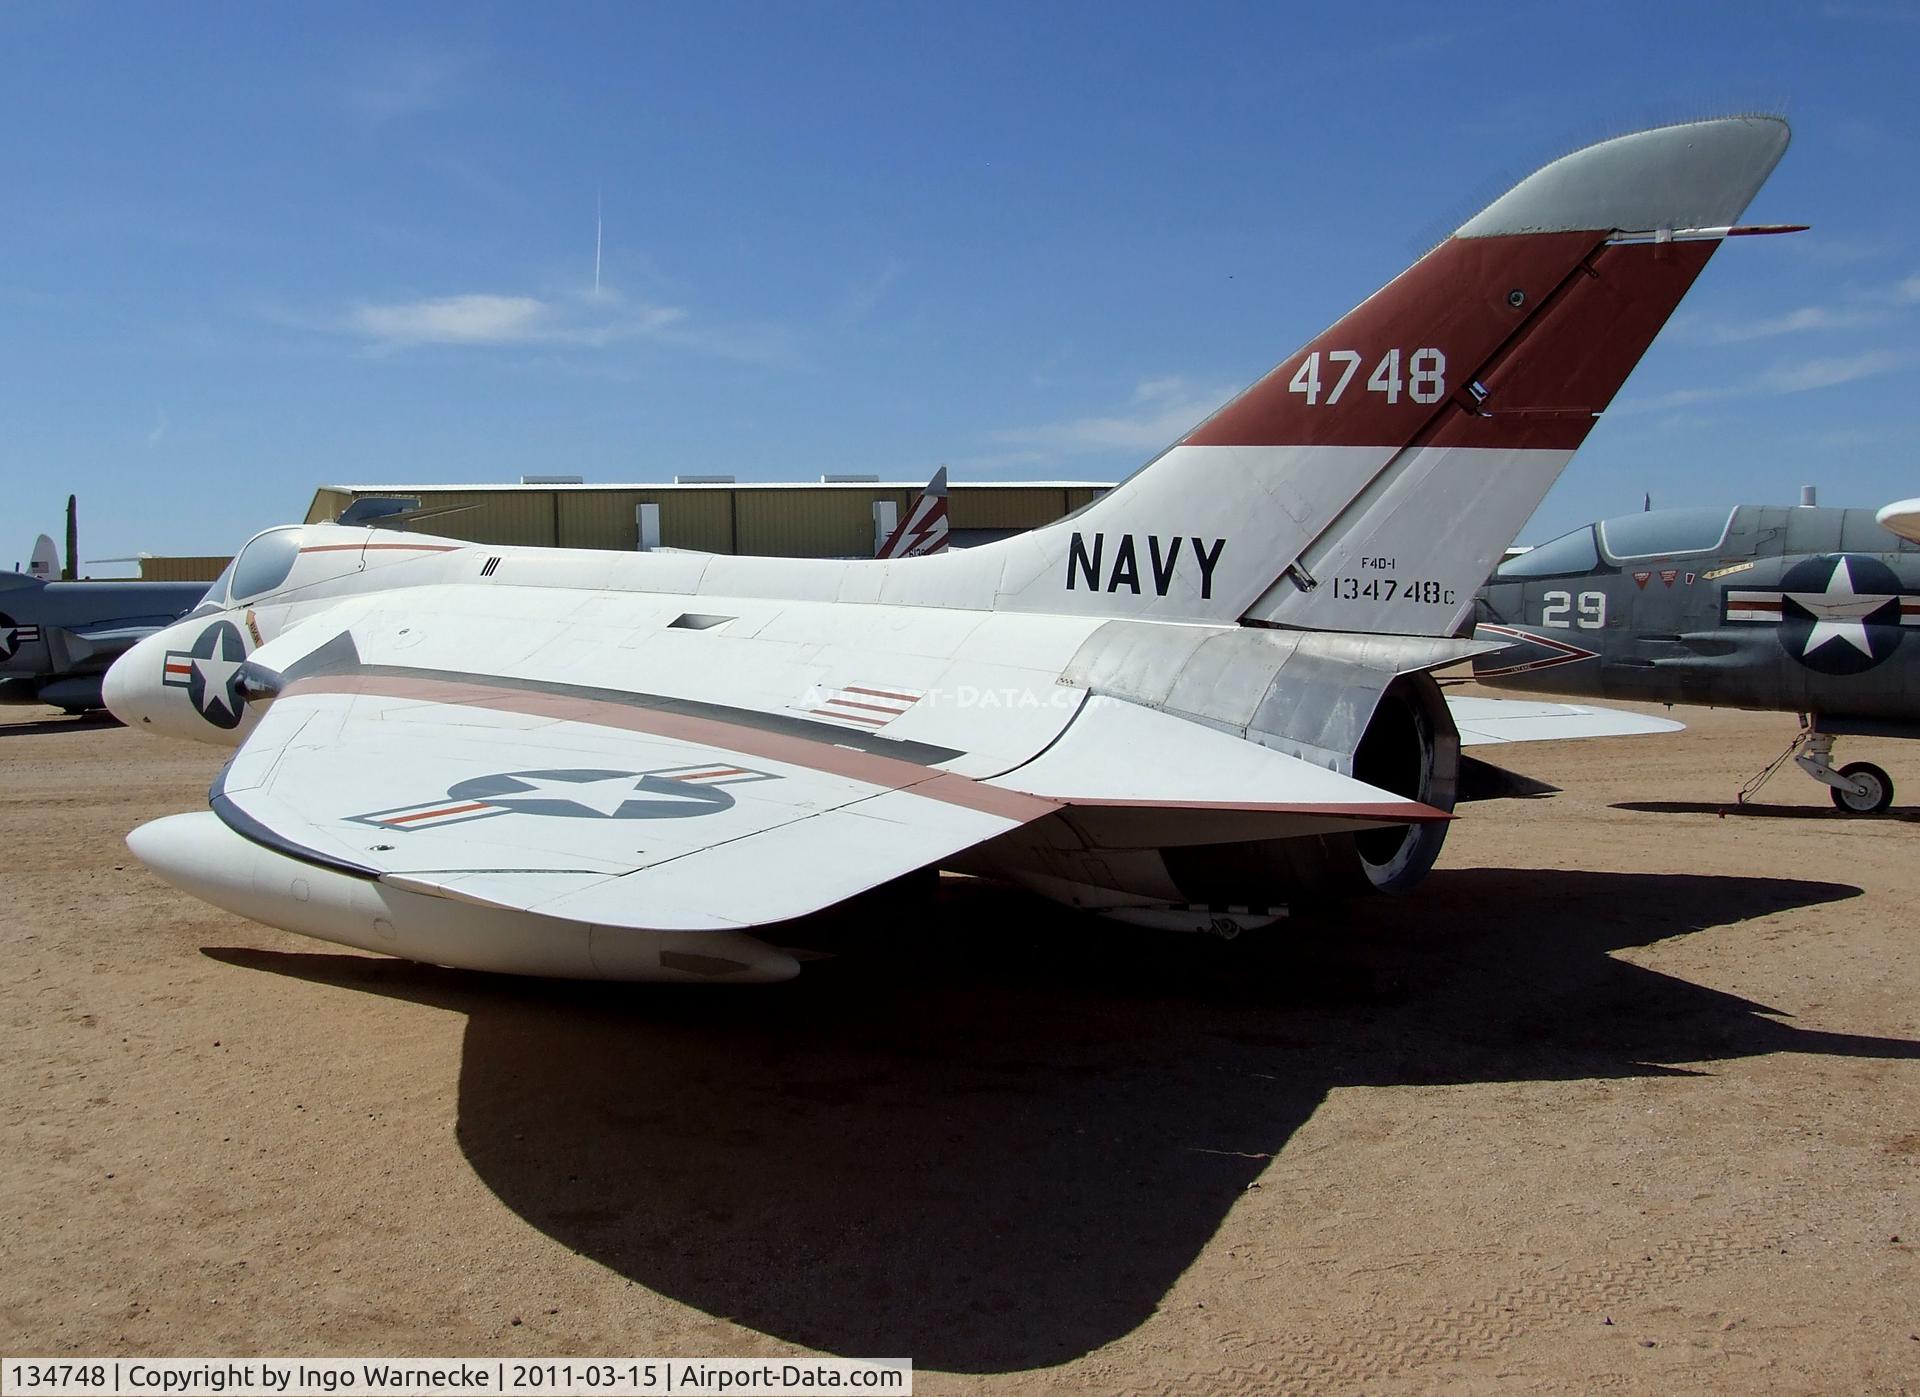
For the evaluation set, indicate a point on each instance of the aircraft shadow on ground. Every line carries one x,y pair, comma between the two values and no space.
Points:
995,1136
42,727
1753,811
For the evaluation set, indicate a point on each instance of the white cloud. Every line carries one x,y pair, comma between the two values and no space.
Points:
160,426
1154,390
1679,397
589,320
1165,409
1807,318
862,298
471,319
1860,307
742,342
1832,250
1831,371
487,318
1802,376
402,84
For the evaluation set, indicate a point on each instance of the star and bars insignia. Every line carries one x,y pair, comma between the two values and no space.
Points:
1838,614
209,670
13,635
666,793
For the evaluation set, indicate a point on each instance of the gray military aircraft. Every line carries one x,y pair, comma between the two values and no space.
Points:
1799,609
57,638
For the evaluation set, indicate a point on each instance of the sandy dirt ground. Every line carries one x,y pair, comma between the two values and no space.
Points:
1627,1097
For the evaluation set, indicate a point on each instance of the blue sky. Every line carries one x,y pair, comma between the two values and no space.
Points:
252,249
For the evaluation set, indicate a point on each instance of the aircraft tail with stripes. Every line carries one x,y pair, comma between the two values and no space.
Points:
1371,481
924,530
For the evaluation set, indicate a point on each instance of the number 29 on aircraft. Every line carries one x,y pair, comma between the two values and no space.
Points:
1564,611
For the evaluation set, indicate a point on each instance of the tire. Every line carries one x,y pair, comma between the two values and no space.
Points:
1879,789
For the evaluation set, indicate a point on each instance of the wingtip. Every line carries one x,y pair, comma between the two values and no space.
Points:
1693,174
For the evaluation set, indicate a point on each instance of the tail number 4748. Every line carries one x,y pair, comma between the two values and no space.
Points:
1424,379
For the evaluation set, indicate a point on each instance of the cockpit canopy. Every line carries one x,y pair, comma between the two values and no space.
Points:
1660,533
1665,533
1574,552
259,568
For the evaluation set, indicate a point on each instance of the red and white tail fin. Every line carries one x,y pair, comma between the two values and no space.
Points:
924,530
1370,482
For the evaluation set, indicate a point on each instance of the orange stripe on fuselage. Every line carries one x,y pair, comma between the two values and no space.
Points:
384,548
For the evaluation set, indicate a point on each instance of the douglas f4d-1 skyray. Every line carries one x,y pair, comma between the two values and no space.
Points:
1208,690
1792,608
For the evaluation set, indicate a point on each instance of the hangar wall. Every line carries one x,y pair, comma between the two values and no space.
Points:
825,520
182,569
786,519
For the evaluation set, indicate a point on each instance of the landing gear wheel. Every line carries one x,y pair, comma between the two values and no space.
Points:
1878,785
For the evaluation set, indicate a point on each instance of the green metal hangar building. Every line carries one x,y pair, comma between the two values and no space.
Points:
835,517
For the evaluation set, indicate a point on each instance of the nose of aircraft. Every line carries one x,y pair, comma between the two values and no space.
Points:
131,681
183,681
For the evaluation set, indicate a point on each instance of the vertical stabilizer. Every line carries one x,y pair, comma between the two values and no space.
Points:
924,530
1371,481
45,563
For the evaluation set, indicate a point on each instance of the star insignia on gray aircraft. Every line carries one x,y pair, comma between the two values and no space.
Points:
209,670
672,793
13,635
1837,614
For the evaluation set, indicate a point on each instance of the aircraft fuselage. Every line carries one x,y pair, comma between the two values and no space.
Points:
58,638
1804,610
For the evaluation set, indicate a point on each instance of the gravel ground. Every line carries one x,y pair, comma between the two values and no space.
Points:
1626,1097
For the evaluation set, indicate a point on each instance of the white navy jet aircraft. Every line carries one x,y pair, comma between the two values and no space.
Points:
1208,690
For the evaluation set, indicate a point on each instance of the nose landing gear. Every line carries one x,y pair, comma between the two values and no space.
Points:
1860,788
